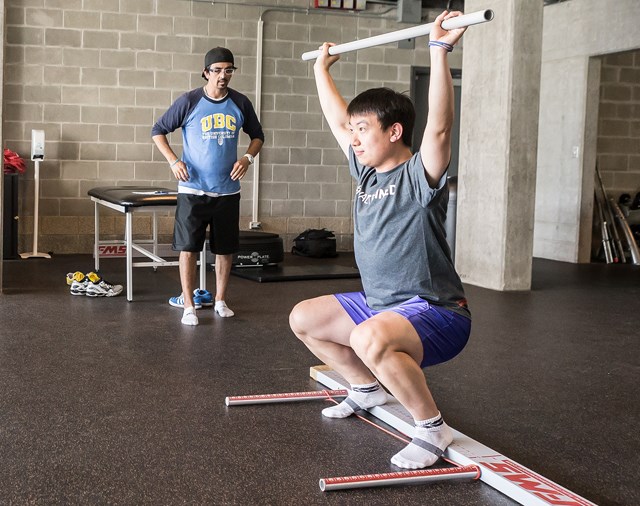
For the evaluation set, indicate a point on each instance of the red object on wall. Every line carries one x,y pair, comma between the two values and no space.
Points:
13,162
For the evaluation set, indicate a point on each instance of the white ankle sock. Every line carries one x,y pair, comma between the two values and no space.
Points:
360,397
222,309
430,440
189,317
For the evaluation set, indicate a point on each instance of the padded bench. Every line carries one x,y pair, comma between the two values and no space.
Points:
137,199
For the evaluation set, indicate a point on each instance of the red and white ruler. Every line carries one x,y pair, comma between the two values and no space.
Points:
238,400
400,478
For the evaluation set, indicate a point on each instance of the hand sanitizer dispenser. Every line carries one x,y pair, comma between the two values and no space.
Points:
37,144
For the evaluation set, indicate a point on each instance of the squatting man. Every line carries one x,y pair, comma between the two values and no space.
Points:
412,312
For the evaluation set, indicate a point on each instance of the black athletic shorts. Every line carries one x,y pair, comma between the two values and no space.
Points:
194,213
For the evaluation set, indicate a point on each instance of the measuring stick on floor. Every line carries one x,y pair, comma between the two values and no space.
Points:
503,474
400,478
239,400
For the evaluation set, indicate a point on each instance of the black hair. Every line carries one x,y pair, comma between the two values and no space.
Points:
389,106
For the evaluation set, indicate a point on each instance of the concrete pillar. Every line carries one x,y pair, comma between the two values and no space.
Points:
498,145
567,146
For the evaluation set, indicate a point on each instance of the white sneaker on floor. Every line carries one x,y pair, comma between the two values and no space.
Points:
79,283
97,286
222,309
189,317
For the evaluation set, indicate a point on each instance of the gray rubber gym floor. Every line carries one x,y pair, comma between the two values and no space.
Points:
104,401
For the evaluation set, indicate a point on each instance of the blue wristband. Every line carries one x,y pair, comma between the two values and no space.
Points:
444,45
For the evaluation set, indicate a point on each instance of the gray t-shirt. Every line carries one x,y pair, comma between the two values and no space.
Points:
399,237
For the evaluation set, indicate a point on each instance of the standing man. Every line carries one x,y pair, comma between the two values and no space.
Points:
209,174
412,312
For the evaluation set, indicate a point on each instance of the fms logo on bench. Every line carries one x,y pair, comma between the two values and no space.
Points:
254,258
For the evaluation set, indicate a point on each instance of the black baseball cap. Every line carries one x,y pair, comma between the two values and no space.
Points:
216,55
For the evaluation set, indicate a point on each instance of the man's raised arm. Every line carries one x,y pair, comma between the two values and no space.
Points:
435,149
334,106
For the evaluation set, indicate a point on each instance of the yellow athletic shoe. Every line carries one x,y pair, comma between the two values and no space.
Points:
100,287
78,284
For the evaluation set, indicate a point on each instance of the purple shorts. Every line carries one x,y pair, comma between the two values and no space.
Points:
443,333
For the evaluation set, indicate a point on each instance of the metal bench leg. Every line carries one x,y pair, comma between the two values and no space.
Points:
128,232
203,267
96,242
155,236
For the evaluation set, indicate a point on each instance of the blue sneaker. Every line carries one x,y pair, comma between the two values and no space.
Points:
179,302
204,297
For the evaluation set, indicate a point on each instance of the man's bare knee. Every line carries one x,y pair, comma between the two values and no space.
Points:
369,343
299,319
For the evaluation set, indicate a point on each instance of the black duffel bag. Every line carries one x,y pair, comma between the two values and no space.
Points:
317,243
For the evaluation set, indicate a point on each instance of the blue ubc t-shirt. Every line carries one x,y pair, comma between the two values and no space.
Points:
210,130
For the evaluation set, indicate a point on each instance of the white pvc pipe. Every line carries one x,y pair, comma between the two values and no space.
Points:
256,163
400,478
238,400
36,210
36,214
408,33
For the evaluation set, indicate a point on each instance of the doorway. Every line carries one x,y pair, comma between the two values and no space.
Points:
419,94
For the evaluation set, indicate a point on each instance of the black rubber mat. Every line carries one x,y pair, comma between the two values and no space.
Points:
295,272
105,401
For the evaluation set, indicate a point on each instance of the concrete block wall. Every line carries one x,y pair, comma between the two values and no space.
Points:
96,74
619,123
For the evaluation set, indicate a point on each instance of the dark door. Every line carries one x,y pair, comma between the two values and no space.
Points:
419,93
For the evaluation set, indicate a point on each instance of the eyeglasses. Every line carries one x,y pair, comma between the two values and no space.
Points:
227,71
